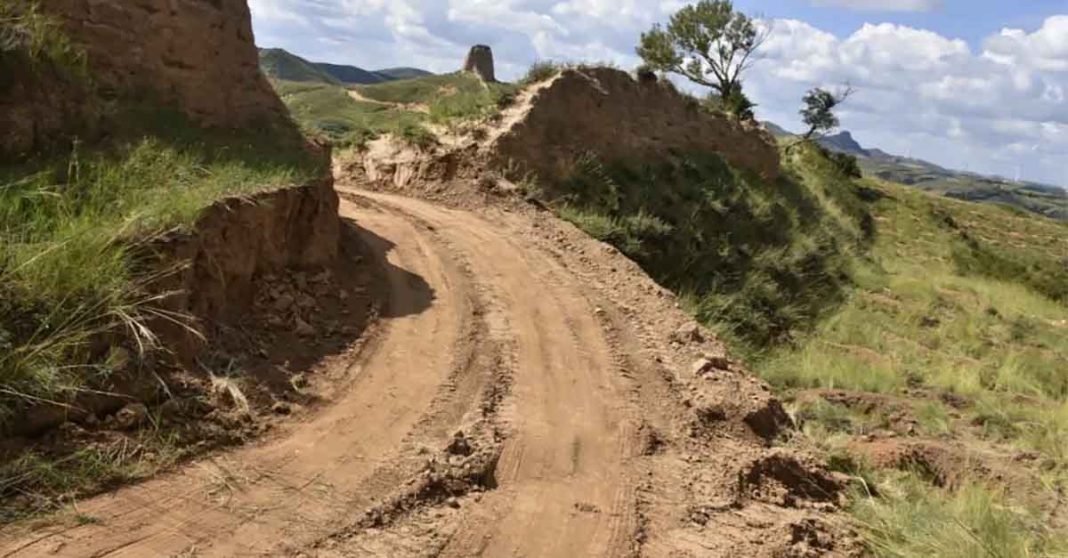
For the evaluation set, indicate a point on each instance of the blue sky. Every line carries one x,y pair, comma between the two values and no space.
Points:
979,85
971,20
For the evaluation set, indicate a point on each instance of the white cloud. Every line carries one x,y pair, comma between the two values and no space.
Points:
1045,49
919,92
923,93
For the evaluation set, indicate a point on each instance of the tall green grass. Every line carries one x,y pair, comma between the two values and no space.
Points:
29,36
910,519
71,225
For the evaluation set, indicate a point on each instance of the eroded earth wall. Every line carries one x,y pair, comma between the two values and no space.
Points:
605,111
197,54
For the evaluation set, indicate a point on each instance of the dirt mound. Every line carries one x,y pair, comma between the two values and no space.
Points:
789,480
608,113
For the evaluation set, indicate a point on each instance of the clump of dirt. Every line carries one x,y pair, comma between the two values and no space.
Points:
731,399
607,112
466,466
790,480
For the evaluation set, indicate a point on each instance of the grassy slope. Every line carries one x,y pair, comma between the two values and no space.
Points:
826,282
762,260
280,64
67,223
402,107
1046,201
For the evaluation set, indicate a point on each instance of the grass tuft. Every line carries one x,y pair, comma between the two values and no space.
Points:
70,228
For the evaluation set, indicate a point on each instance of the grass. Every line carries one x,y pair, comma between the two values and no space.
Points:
759,261
823,280
28,35
403,108
328,110
910,519
70,227
43,483
949,298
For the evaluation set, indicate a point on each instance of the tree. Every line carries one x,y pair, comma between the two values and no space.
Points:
708,43
818,112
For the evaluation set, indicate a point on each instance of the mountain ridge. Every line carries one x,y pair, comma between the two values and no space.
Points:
1044,199
279,63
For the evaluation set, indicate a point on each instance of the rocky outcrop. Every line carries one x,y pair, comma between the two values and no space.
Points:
480,62
196,55
607,112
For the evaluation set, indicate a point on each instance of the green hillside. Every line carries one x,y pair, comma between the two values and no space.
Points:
404,108
279,64
891,320
1043,199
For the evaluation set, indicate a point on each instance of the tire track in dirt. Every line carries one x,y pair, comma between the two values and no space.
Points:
565,486
284,494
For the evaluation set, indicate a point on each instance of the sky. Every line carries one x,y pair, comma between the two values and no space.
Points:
976,85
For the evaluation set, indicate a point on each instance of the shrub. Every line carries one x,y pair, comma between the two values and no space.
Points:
540,71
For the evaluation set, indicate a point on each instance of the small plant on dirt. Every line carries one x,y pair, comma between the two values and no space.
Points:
418,136
542,70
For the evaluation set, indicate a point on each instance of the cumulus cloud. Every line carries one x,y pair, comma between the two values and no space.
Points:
990,107
932,96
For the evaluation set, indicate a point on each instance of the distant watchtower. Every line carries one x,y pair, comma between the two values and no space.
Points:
480,62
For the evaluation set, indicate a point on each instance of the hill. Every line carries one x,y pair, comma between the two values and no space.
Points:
277,63
403,108
1043,199
280,64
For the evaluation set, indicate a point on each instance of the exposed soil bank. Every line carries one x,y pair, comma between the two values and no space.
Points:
208,277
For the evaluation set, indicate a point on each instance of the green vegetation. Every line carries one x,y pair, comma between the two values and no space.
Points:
70,227
27,35
448,97
760,260
712,45
959,300
826,281
281,65
1043,199
909,519
327,110
402,108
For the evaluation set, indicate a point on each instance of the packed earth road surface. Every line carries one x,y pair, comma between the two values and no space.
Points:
527,391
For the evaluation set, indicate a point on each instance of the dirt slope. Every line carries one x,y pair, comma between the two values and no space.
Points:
528,392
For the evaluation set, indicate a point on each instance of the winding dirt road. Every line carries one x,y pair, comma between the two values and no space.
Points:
577,440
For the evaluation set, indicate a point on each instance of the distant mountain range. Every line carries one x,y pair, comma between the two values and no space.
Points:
1044,199
281,64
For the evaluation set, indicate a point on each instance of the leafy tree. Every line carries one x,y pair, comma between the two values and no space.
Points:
708,43
818,112
736,104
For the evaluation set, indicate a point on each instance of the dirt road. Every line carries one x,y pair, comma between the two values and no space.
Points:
510,403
